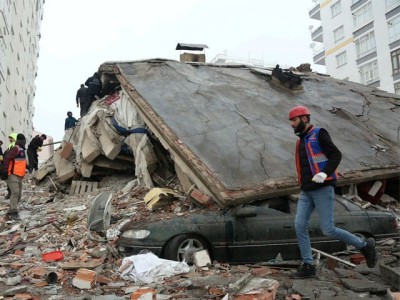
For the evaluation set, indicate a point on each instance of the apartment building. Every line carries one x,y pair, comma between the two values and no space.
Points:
20,22
359,40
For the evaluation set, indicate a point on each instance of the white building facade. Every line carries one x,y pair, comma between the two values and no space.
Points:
359,40
20,22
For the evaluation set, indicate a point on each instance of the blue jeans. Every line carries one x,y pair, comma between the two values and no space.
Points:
322,200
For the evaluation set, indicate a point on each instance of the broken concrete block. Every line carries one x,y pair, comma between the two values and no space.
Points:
84,279
184,180
391,274
110,141
15,290
43,171
86,169
90,148
144,294
13,280
258,289
140,144
201,258
200,197
115,164
65,169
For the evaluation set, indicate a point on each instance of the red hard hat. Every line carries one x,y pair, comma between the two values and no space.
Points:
298,111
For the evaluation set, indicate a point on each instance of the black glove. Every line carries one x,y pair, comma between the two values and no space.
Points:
4,175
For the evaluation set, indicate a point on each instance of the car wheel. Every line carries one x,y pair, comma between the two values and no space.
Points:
183,247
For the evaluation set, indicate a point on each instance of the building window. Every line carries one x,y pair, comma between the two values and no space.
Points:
338,33
341,59
397,88
362,15
365,44
394,29
369,73
395,55
336,9
391,4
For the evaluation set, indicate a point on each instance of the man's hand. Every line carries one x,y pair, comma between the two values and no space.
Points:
320,177
4,175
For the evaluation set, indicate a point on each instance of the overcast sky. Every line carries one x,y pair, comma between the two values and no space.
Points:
78,36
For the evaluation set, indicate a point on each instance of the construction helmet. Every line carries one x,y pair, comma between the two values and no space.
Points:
298,111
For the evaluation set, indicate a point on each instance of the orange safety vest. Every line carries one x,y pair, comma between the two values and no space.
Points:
17,165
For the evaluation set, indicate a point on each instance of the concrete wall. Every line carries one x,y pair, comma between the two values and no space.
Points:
19,50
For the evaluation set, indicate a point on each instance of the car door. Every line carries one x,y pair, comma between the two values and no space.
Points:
262,236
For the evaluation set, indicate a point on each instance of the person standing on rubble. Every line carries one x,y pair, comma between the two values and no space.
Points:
317,159
11,139
70,121
83,100
95,86
13,172
34,147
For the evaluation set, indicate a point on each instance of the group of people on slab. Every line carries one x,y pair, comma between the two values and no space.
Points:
86,94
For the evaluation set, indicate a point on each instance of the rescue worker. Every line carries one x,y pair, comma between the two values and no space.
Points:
13,172
83,100
33,148
11,139
317,159
95,86
70,121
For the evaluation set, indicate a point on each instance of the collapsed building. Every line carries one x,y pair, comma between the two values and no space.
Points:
224,130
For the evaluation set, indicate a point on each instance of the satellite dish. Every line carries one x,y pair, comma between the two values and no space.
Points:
99,217
311,27
312,45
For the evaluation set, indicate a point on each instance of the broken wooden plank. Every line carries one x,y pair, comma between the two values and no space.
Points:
333,257
72,265
82,187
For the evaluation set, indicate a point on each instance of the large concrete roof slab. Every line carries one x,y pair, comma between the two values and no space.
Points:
229,124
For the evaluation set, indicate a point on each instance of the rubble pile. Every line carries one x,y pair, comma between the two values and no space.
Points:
51,254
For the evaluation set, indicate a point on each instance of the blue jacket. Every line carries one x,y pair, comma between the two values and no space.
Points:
70,122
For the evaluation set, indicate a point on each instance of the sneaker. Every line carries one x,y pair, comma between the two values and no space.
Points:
369,253
305,271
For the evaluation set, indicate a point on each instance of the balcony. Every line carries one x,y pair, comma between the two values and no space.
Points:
317,36
319,55
315,12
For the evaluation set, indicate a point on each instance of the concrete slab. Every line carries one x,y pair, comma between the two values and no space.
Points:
233,133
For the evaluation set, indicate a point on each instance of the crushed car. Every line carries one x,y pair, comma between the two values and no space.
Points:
264,230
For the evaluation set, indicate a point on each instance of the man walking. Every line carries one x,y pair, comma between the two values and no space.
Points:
13,172
317,158
83,100
33,148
